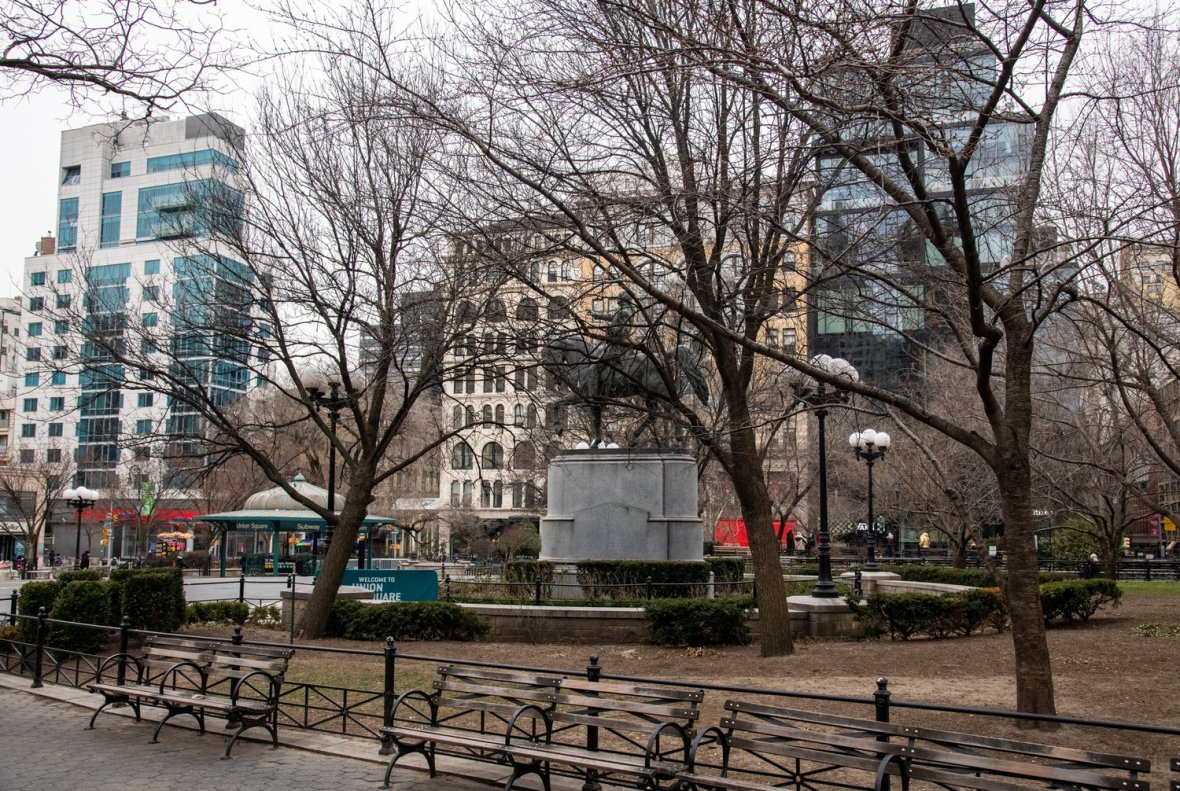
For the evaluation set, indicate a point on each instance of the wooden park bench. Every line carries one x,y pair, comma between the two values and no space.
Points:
197,677
765,747
601,730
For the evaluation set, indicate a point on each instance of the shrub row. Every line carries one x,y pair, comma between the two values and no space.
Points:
356,620
234,612
151,599
905,615
698,622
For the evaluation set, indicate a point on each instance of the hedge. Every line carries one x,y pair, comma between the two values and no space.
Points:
521,572
603,578
698,622
1067,600
151,599
34,596
81,601
356,620
906,615
235,612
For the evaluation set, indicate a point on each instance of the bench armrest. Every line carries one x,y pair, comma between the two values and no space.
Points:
408,699
653,743
171,673
529,708
706,737
116,660
903,764
246,683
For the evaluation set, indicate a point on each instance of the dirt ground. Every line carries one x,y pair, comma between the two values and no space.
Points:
1102,670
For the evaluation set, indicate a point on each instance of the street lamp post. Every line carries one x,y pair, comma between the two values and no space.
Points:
79,499
325,394
870,446
820,396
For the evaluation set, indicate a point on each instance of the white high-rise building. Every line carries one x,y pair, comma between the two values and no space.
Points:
131,196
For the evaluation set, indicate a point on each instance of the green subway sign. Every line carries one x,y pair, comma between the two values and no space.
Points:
395,584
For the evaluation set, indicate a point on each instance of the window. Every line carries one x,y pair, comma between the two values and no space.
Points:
61,327
455,489
151,319
772,337
500,414
26,455
498,494
457,417
145,399
36,278
65,276
151,293
492,456
34,329
53,455
112,212
28,430
501,379
517,495
30,405
71,174
489,380
191,159
468,488
518,415
487,413
33,354
67,227
143,427
36,304
789,342
151,267
120,170
143,454
32,380
57,404
55,429
525,456
57,378
462,457
62,301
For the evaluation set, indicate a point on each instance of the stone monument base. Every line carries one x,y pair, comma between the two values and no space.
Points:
622,504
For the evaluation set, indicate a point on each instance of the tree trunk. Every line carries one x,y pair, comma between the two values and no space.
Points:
754,498
1034,673
315,615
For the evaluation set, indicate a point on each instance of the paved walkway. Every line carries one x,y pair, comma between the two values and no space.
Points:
46,748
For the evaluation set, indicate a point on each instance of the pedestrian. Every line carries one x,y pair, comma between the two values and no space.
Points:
923,544
84,563
52,558
800,544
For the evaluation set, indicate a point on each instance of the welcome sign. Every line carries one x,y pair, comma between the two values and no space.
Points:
395,584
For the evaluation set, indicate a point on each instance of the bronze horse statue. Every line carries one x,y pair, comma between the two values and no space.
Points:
598,373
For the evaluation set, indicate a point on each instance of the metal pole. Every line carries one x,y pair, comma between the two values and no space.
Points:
242,588
881,708
390,659
593,674
871,536
78,536
13,608
124,641
39,649
824,587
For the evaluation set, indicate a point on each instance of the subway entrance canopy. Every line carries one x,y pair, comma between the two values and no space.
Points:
277,512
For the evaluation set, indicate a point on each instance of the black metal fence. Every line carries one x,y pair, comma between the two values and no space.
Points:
361,712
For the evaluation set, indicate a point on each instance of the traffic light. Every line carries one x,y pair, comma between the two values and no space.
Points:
105,534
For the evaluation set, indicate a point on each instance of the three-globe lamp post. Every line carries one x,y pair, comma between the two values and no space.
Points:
79,499
325,394
870,446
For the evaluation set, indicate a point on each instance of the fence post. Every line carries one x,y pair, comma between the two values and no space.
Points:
712,589
594,673
390,658
291,585
39,648
237,638
12,609
881,709
242,588
124,642
650,589
537,591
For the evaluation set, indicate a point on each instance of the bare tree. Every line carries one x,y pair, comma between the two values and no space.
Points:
149,53
29,492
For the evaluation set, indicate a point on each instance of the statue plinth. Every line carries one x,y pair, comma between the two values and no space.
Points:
622,504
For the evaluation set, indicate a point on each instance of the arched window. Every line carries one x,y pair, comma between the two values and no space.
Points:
456,493
457,417
470,415
518,415
466,313
527,310
500,414
487,413
496,311
524,457
462,457
552,275
492,456
531,420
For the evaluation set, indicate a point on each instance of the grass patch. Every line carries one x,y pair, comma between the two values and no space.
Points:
1155,587
360,673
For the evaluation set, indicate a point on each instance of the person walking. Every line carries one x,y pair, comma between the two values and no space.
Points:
923,544
84,563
